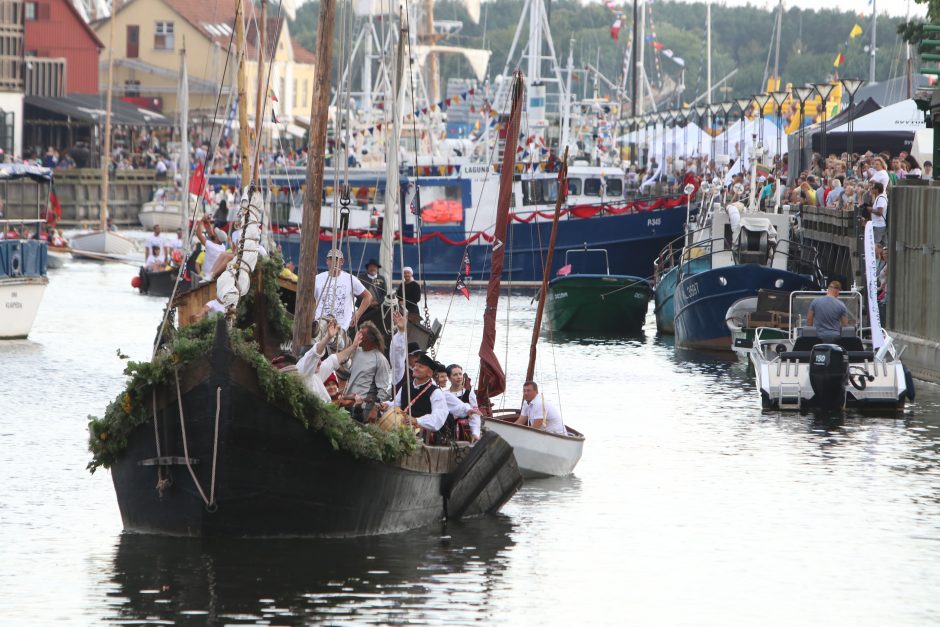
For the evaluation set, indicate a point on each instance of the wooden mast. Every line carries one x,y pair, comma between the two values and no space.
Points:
261,95
313,198
543,293
106,155
243,147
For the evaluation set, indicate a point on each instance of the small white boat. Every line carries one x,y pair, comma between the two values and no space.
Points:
19,303
540,453
801,371
165,209
102,245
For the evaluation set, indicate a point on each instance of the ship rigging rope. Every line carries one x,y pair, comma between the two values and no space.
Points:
192,218
211,505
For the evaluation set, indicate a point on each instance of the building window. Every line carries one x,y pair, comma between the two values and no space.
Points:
30,10
132,89
163,36
133,41
294,94
304,100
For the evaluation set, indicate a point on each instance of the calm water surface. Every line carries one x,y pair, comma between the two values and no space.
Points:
690,506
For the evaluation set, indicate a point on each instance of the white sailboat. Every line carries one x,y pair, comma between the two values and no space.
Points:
103,244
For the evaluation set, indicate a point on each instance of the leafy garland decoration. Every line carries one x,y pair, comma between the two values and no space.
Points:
108,436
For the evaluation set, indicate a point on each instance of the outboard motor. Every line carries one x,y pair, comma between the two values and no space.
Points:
829,375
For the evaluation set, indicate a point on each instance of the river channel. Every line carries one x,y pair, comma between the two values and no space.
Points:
690,506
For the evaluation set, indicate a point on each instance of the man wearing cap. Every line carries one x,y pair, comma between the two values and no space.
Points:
374,282
335,290
370,377
428,405
409,292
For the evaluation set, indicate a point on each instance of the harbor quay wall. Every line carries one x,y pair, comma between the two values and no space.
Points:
913,307
79,194
836,234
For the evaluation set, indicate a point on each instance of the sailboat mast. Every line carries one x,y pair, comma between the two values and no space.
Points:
106,155
779,34
874,31
543,293
243,147
313,194
492,379
183,106
260,95
708,51
640,64
392,184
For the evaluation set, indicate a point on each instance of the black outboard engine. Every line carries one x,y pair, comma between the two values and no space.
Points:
829,375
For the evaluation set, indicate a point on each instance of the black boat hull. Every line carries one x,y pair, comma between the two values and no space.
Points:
275,477
160,283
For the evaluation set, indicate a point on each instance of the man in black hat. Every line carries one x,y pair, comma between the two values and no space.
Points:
374,282
426,403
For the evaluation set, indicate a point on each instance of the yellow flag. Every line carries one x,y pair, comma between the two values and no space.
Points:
856,31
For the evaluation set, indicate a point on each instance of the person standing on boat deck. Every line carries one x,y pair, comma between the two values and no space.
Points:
335,289
428,408
314,370
374,282
538,412
410,292
458,407
828,314
370,376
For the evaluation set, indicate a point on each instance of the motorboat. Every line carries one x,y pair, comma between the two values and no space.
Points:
855,370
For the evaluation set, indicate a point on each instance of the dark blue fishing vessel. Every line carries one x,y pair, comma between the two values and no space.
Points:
742,258
457,205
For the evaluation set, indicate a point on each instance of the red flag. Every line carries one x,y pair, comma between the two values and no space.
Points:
56,207
658,45
462,288
564,270
198,181
615,31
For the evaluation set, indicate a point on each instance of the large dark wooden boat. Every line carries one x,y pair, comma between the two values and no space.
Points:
160,282
266,474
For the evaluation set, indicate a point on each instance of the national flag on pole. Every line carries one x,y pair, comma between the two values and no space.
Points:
462,288
840,59
564,270
615,30
198,181
763,170
272,95
855,32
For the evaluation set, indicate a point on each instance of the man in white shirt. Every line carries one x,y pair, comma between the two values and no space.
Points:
879,172
155,239
538,412
428,406
214,245
314,370
335,290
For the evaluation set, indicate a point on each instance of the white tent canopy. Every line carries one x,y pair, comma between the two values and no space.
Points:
685,141
901,116
743,132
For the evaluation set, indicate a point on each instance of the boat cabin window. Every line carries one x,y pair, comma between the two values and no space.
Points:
597,186
539,191
574,186
801,302
614,187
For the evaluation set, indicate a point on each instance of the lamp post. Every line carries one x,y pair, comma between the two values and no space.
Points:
851,87
824,90
743,105
802,94
779,97
761,100
700,112
726,107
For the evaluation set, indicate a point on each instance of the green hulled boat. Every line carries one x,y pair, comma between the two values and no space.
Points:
606,303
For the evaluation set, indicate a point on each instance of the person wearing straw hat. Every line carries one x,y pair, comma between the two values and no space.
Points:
335,290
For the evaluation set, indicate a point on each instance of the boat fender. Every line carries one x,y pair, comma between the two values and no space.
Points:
16,262
909,384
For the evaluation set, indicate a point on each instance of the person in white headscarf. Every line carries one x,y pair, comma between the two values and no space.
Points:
409,292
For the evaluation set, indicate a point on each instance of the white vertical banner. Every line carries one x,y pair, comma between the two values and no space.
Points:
871,274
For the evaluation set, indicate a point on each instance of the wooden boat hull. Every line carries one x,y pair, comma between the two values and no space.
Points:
274,477
539,453
598,303
19,303
101,245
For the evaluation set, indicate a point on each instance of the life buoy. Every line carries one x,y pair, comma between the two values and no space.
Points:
16,262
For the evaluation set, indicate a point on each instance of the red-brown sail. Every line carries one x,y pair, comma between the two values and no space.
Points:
492,380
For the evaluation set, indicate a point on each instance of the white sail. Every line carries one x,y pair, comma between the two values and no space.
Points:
235,280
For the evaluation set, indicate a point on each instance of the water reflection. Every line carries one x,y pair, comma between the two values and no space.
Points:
381,580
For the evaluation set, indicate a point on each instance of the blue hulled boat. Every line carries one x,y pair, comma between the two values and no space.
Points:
741,258
457,216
